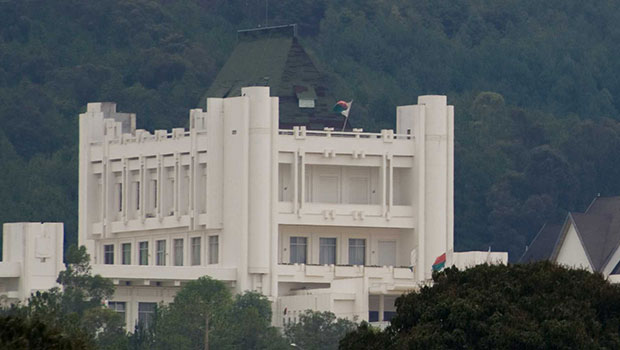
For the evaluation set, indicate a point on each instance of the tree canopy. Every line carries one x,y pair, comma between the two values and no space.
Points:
71,317
532,306
318,330
205,312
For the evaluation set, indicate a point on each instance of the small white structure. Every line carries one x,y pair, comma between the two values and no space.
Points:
319,220
31,258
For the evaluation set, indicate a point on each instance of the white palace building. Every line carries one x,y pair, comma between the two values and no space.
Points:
319,220
340,221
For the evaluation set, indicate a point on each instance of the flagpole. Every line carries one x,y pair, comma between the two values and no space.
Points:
347,116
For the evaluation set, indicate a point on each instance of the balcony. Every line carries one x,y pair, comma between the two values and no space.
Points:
359,215
356,143
380,278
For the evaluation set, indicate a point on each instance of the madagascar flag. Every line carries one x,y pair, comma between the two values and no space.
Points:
343,108
440,262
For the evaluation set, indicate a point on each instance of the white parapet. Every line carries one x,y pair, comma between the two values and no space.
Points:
31,258
464,260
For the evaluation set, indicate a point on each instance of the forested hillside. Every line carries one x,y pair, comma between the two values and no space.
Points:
535,86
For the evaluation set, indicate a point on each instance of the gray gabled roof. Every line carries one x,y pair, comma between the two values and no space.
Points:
598,230
543,244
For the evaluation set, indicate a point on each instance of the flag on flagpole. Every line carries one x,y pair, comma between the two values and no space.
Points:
343,107
440,262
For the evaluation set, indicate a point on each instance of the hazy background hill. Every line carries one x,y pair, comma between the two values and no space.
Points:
535,85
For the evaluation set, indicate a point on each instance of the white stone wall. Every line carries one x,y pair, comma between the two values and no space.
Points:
31,258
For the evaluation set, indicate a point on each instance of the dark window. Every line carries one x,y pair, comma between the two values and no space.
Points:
144,253
126,253
298,250
214,248
119,307
327,253
160,254
178,252
387,315
357,251
195,251
108,254
146,313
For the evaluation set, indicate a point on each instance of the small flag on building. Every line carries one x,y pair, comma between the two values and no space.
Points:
440,262
343,108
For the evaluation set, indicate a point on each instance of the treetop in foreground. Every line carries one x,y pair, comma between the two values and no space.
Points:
530,306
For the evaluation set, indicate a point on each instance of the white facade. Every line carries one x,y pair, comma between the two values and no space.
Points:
31,259
312,219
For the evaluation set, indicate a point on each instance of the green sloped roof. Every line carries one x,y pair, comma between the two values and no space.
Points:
252,63
274,57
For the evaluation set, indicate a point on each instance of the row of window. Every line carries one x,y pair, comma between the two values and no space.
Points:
146,311
178,250
327,251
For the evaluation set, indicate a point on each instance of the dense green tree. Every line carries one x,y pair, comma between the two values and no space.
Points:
19,333
204,312
318,330
77,310
248,324
534,306
195,315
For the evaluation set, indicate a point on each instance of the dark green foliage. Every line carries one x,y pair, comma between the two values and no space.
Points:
534,85
532,306
74,316
242,322
18,333
318,330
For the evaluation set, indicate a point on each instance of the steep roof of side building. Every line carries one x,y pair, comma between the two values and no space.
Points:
543,244
274,57
598,229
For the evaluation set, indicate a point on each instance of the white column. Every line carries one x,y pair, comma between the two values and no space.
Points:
260,178
437,196
235,180
273,288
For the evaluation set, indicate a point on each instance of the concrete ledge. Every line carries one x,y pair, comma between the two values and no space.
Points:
10,269
164,273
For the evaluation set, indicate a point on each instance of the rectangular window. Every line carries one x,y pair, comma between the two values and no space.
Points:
327,252
119,307
108,254
144,253
160,254
126,253
195,251
298,250
137,194
154,192
146,313
214,248
178,252
357,251
119,192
